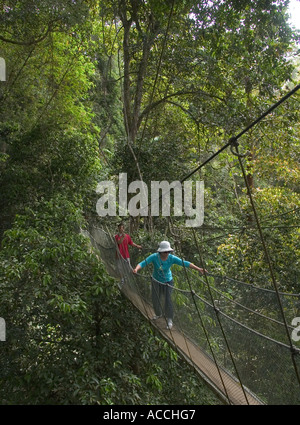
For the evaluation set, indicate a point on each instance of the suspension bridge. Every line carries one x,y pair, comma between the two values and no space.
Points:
236,335
221,339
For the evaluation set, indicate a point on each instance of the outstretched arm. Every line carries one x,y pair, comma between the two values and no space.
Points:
199,269
144,263
138,267
136,246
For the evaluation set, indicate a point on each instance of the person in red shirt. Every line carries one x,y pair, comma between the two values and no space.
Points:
123,240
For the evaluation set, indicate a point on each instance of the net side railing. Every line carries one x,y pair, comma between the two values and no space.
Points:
256,345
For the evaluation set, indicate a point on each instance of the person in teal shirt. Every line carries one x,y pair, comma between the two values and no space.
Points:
162,280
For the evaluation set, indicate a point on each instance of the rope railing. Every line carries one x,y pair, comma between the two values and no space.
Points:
236,303
197,277
269,262
256,313
249,342
258,288
260,357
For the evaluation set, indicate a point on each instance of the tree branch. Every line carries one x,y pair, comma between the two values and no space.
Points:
28,43
179,93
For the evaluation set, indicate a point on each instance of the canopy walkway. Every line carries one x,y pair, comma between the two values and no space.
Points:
242,354
236,335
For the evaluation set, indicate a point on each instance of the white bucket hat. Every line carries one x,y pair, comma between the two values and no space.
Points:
164,246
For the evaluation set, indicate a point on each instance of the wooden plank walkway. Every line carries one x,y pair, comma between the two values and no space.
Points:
195,356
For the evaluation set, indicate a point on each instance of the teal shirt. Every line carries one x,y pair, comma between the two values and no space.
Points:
162,269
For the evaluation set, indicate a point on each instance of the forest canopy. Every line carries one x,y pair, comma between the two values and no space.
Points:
152,89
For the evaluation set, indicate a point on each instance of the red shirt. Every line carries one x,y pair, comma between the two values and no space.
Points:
123,242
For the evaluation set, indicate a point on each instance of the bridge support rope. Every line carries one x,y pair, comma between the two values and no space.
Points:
227,387
264,245
241,351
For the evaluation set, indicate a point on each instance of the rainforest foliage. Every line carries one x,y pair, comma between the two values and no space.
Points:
152,89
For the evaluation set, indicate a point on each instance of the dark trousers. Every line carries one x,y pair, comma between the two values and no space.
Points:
161,298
